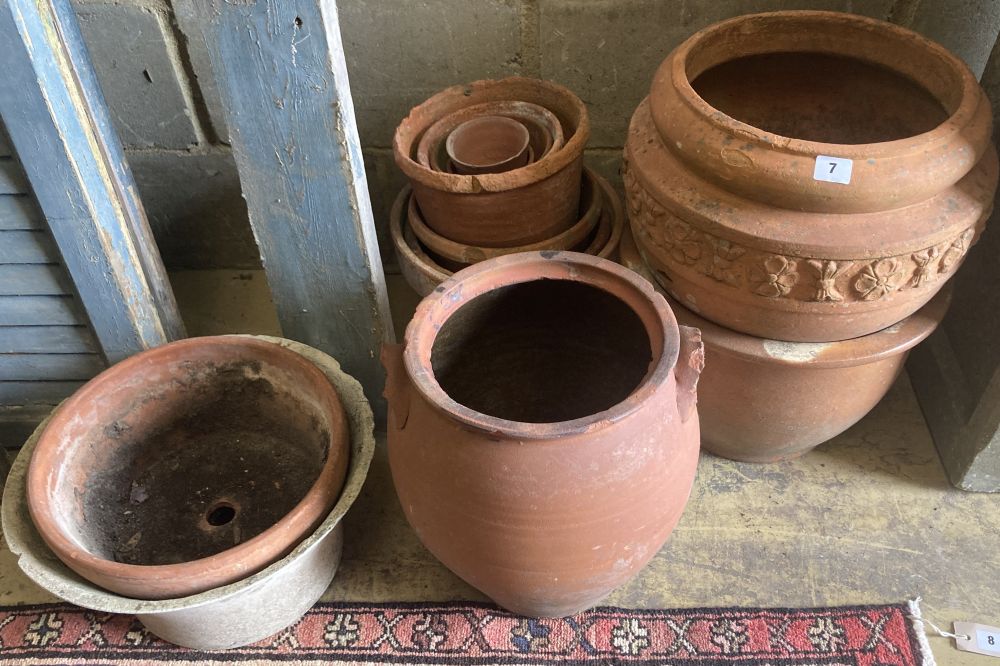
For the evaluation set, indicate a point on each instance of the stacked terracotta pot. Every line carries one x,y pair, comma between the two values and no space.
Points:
192,484
496,168
802,185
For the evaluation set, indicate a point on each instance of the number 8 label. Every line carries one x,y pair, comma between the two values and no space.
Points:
833,169
988,641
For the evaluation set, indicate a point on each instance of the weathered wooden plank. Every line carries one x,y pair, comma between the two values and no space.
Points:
283,83
36,393
59,126
34,280
39,311
49,367
12,180
5,150
46,340
19,211
27,247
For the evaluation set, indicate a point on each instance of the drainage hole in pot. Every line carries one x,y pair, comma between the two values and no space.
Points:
221,513
542,352
820,97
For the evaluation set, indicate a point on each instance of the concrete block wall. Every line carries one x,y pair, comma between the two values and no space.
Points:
155,74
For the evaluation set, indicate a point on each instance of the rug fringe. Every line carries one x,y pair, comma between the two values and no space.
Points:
917,620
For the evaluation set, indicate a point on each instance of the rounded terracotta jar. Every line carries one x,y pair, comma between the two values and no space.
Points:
189,466
517,207
809,176
543,435
765,400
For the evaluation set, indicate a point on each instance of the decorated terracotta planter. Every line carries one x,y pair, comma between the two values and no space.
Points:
543,435
516,207
424,270
765,400
809,176
189,466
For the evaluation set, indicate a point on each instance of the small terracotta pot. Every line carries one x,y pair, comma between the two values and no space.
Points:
518,207
728,183
189,466
543,435
591,203
544,130
488,144
424,272
763,400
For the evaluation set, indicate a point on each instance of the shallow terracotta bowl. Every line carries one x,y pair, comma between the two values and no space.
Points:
189,466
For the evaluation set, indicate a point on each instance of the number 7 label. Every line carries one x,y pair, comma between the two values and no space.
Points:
833,169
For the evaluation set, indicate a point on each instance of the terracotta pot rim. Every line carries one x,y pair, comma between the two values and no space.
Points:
893,340
43,517
960,114
421,117
416,258
523,112
565,240
469,283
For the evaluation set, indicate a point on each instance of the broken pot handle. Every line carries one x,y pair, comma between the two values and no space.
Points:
690,363
397,386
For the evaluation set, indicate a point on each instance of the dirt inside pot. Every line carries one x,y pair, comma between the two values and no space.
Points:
216,467
820,97
542,352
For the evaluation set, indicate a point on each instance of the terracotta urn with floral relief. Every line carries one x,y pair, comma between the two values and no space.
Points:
808,176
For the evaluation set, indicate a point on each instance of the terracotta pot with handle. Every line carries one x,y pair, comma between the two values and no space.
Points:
809,176
543,435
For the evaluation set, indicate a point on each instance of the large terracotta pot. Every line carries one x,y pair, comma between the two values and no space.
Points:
189,466
424,271
729,187
764,400
242,612
517,207
543,435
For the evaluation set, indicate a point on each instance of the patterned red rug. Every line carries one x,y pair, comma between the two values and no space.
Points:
467,633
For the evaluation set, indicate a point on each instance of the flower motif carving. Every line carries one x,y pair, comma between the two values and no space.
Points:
879,279
776,278
827,272
684,243
955,251
924,271
684,247
723,266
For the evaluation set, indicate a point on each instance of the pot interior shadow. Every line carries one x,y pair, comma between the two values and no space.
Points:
208,465
820,97
542,352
